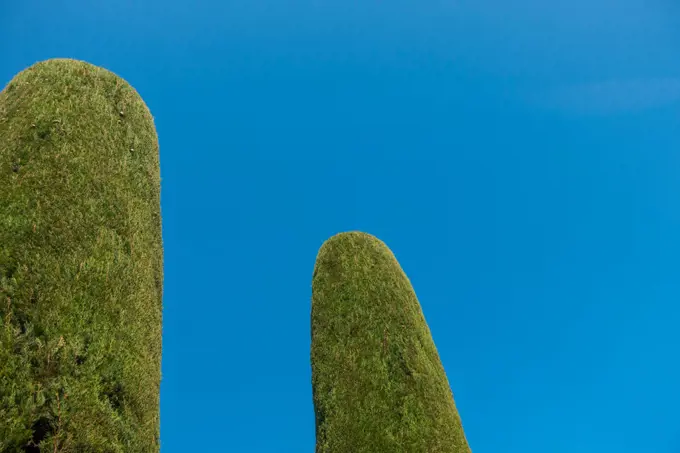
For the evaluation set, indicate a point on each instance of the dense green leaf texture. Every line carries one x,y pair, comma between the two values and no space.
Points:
80,263
378,383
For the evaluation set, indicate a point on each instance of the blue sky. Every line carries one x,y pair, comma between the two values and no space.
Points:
521,161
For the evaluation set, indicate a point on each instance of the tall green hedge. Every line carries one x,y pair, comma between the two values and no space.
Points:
378,384
81,263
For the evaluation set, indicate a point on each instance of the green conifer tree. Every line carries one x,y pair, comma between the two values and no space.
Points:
81,263
378,383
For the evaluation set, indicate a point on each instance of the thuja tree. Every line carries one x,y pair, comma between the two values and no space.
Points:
80,263
378,383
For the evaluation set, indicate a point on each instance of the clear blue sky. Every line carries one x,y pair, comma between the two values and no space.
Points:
522,161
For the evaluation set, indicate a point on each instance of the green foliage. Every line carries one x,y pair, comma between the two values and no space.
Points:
81,263
378,383
81,276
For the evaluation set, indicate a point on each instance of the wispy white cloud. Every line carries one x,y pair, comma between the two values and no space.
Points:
613,96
